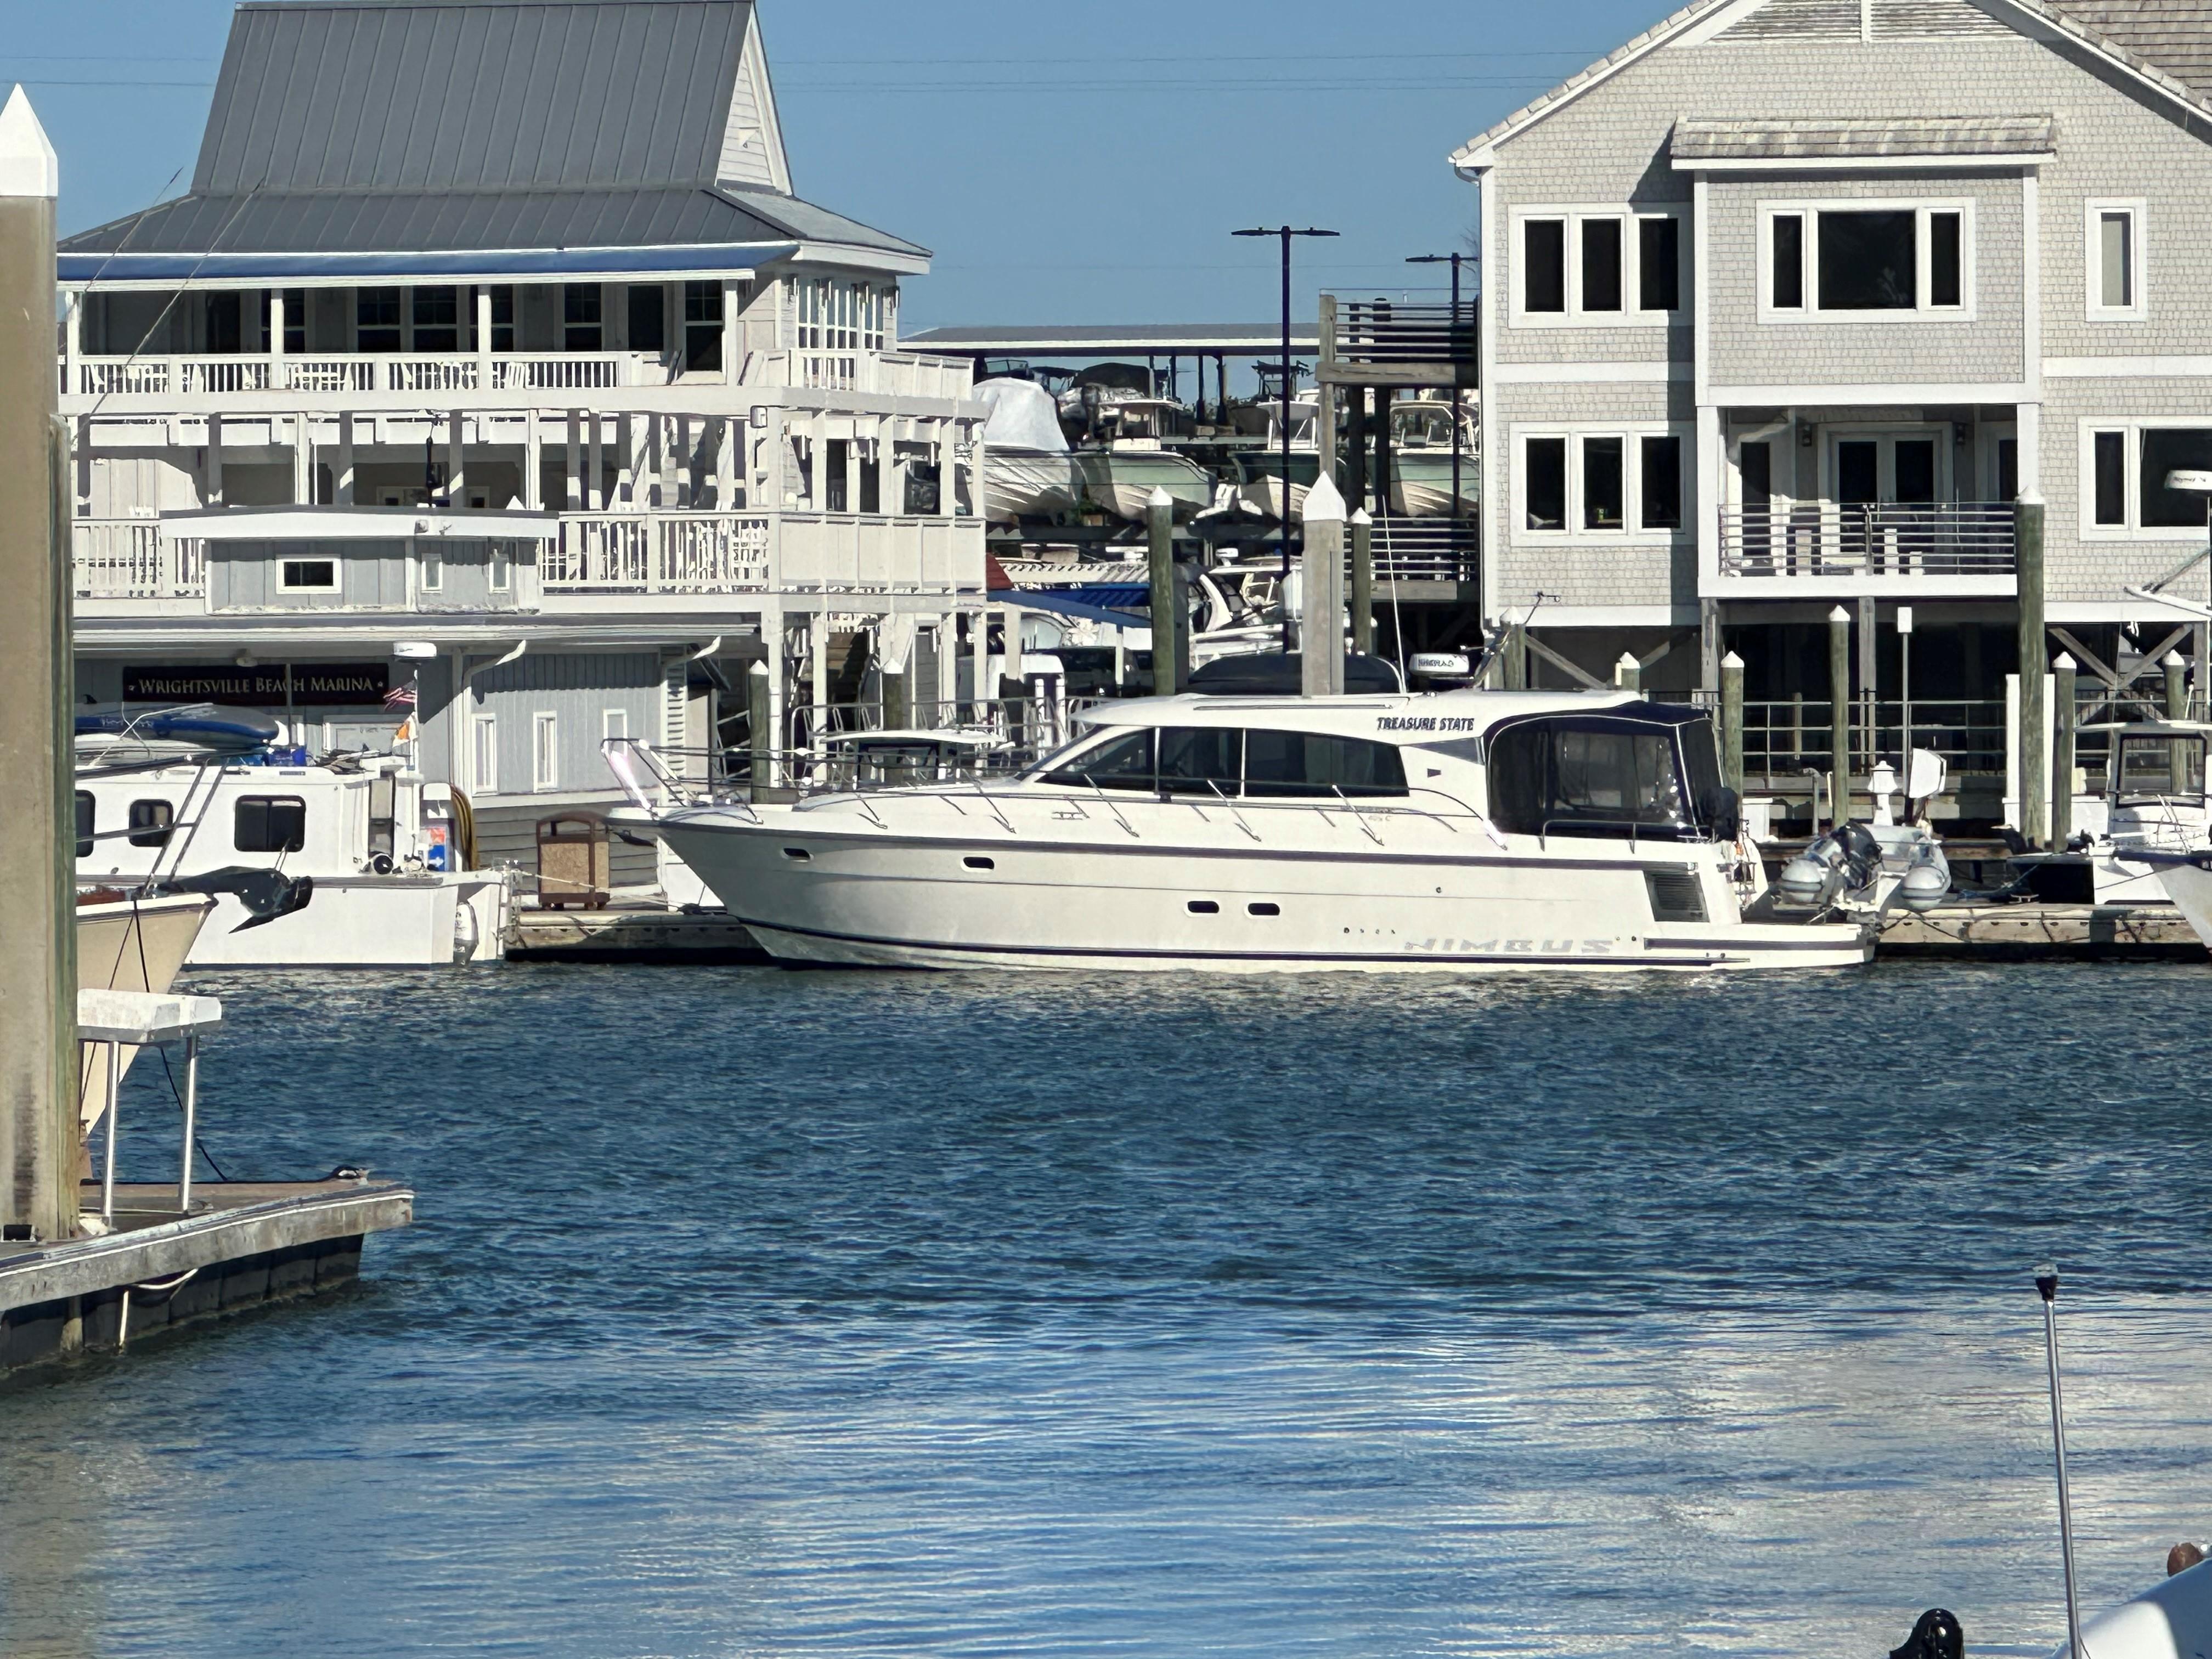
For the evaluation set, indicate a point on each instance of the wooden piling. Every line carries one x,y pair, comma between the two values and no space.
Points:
1732,722
1159,545
1320,630
2061,749
38,970
1840,714
1362,532
2176,686
1628,673
760,725
2034,787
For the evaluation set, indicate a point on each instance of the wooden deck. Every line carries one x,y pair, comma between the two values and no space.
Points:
629,933
2043,932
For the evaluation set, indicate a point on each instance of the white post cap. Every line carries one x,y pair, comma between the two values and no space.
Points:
2173,659
2065,663
1159,497
1731,660
1361,515
1628,662
28,167
1324,502
1839,615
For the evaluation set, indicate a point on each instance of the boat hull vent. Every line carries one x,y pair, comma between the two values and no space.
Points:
1676,895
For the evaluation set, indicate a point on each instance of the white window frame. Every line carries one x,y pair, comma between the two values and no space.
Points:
544,751
1632,314
1809,211
502,574
1632,433
2134,530
483,754
336,580
2092,260
431,564
613,723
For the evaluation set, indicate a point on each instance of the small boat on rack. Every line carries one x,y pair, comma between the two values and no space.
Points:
1260,472
1028,472
1463,832
1121,478
1421,461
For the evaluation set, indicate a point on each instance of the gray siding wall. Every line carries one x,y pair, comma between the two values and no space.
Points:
577,688
465,574
247,576
2083,569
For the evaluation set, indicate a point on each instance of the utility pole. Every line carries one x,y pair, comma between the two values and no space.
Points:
1286,234
38,971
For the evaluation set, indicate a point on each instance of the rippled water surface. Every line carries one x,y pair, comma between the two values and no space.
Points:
759,1313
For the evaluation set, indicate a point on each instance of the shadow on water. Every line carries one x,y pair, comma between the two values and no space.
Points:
980,1314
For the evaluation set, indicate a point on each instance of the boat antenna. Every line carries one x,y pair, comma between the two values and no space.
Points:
2046,1286
1496,644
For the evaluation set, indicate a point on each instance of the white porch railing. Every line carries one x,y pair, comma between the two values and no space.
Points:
658,553
369,372
128,559
889,374
1811,540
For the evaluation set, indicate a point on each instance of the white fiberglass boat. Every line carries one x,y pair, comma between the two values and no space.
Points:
1028,472
2155,801
1462,832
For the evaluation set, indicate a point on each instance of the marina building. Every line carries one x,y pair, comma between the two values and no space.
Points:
491,354
1787,301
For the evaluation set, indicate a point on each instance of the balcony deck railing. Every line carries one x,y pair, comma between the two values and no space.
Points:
1426,549
658,553
1384,331
893,372
129,559
1813,539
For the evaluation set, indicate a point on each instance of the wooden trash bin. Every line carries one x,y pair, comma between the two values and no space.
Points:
572,861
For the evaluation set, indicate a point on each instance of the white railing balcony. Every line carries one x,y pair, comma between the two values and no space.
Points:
130,559
659,553
413,372
1962,546
888,374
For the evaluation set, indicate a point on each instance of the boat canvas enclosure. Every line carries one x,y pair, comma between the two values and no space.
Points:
1635,770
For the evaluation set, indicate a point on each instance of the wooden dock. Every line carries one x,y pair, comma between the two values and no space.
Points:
2043,932
621,933
244,1244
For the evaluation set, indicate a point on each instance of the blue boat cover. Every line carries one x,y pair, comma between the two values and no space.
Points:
207,724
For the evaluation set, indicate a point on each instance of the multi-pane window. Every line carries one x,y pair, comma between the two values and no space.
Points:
376,319
2114,259
502,317
1900,259
437,319
838,316
483,754
648,327
581,327
269,823
545,751
702,325
1597,266
1602,484
2127,467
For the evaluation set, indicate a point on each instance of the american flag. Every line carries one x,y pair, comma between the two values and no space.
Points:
400,696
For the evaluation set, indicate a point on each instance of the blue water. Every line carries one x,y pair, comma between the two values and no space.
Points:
760,1313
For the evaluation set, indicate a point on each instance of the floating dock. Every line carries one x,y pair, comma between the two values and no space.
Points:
630,933
244,1244
2043,932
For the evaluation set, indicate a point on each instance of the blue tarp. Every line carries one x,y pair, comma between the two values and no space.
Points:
1055,600
279,268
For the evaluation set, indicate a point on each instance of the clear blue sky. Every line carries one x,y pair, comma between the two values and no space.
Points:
1066,163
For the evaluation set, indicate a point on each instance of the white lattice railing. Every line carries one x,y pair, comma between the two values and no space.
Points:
893,373
658,553
128,559
424,372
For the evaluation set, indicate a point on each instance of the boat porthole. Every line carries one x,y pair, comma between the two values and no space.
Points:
980,863
799,854
1204,908
1264,909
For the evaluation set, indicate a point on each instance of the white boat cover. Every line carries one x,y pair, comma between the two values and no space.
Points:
1022,417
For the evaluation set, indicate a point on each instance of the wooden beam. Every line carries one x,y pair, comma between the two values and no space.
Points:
1590,682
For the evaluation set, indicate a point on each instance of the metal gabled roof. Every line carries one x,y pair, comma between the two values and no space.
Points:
1700,140
471,94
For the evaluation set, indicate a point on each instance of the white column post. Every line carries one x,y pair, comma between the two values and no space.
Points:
533,463
817,468
275,339
727,437
779,694
483,341
73,341
852,470
817,652
594,466
342,484
456,481
733,356
887,502
979,640
1712,458
778,490
213,482
574,492
303,462
667,452
947,500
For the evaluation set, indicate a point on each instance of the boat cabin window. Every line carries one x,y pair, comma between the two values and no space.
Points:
2161,766
1209,761
85,816
150,822
270,824
1591,775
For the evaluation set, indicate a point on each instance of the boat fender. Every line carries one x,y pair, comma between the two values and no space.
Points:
1925,887
464,930
1937,1636
379,864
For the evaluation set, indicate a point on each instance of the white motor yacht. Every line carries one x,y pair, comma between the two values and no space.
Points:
1462,832
2154,800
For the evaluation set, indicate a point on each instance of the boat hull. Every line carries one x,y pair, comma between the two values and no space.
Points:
1027,484
365,921
1092,887
1121,482
128,945
1421,487
2189,886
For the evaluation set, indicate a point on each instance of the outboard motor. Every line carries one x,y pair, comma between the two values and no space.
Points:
1937,1636
1842,861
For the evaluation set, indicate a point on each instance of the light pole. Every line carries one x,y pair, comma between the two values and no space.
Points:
1287,233
1451,345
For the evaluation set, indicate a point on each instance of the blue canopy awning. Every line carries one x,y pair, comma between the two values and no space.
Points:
1057,600
278,269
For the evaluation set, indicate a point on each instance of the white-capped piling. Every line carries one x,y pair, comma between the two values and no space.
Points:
1159,545
1320,633
1839,721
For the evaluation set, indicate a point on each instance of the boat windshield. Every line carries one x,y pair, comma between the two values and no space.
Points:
2162,766
1220,760
1592,774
